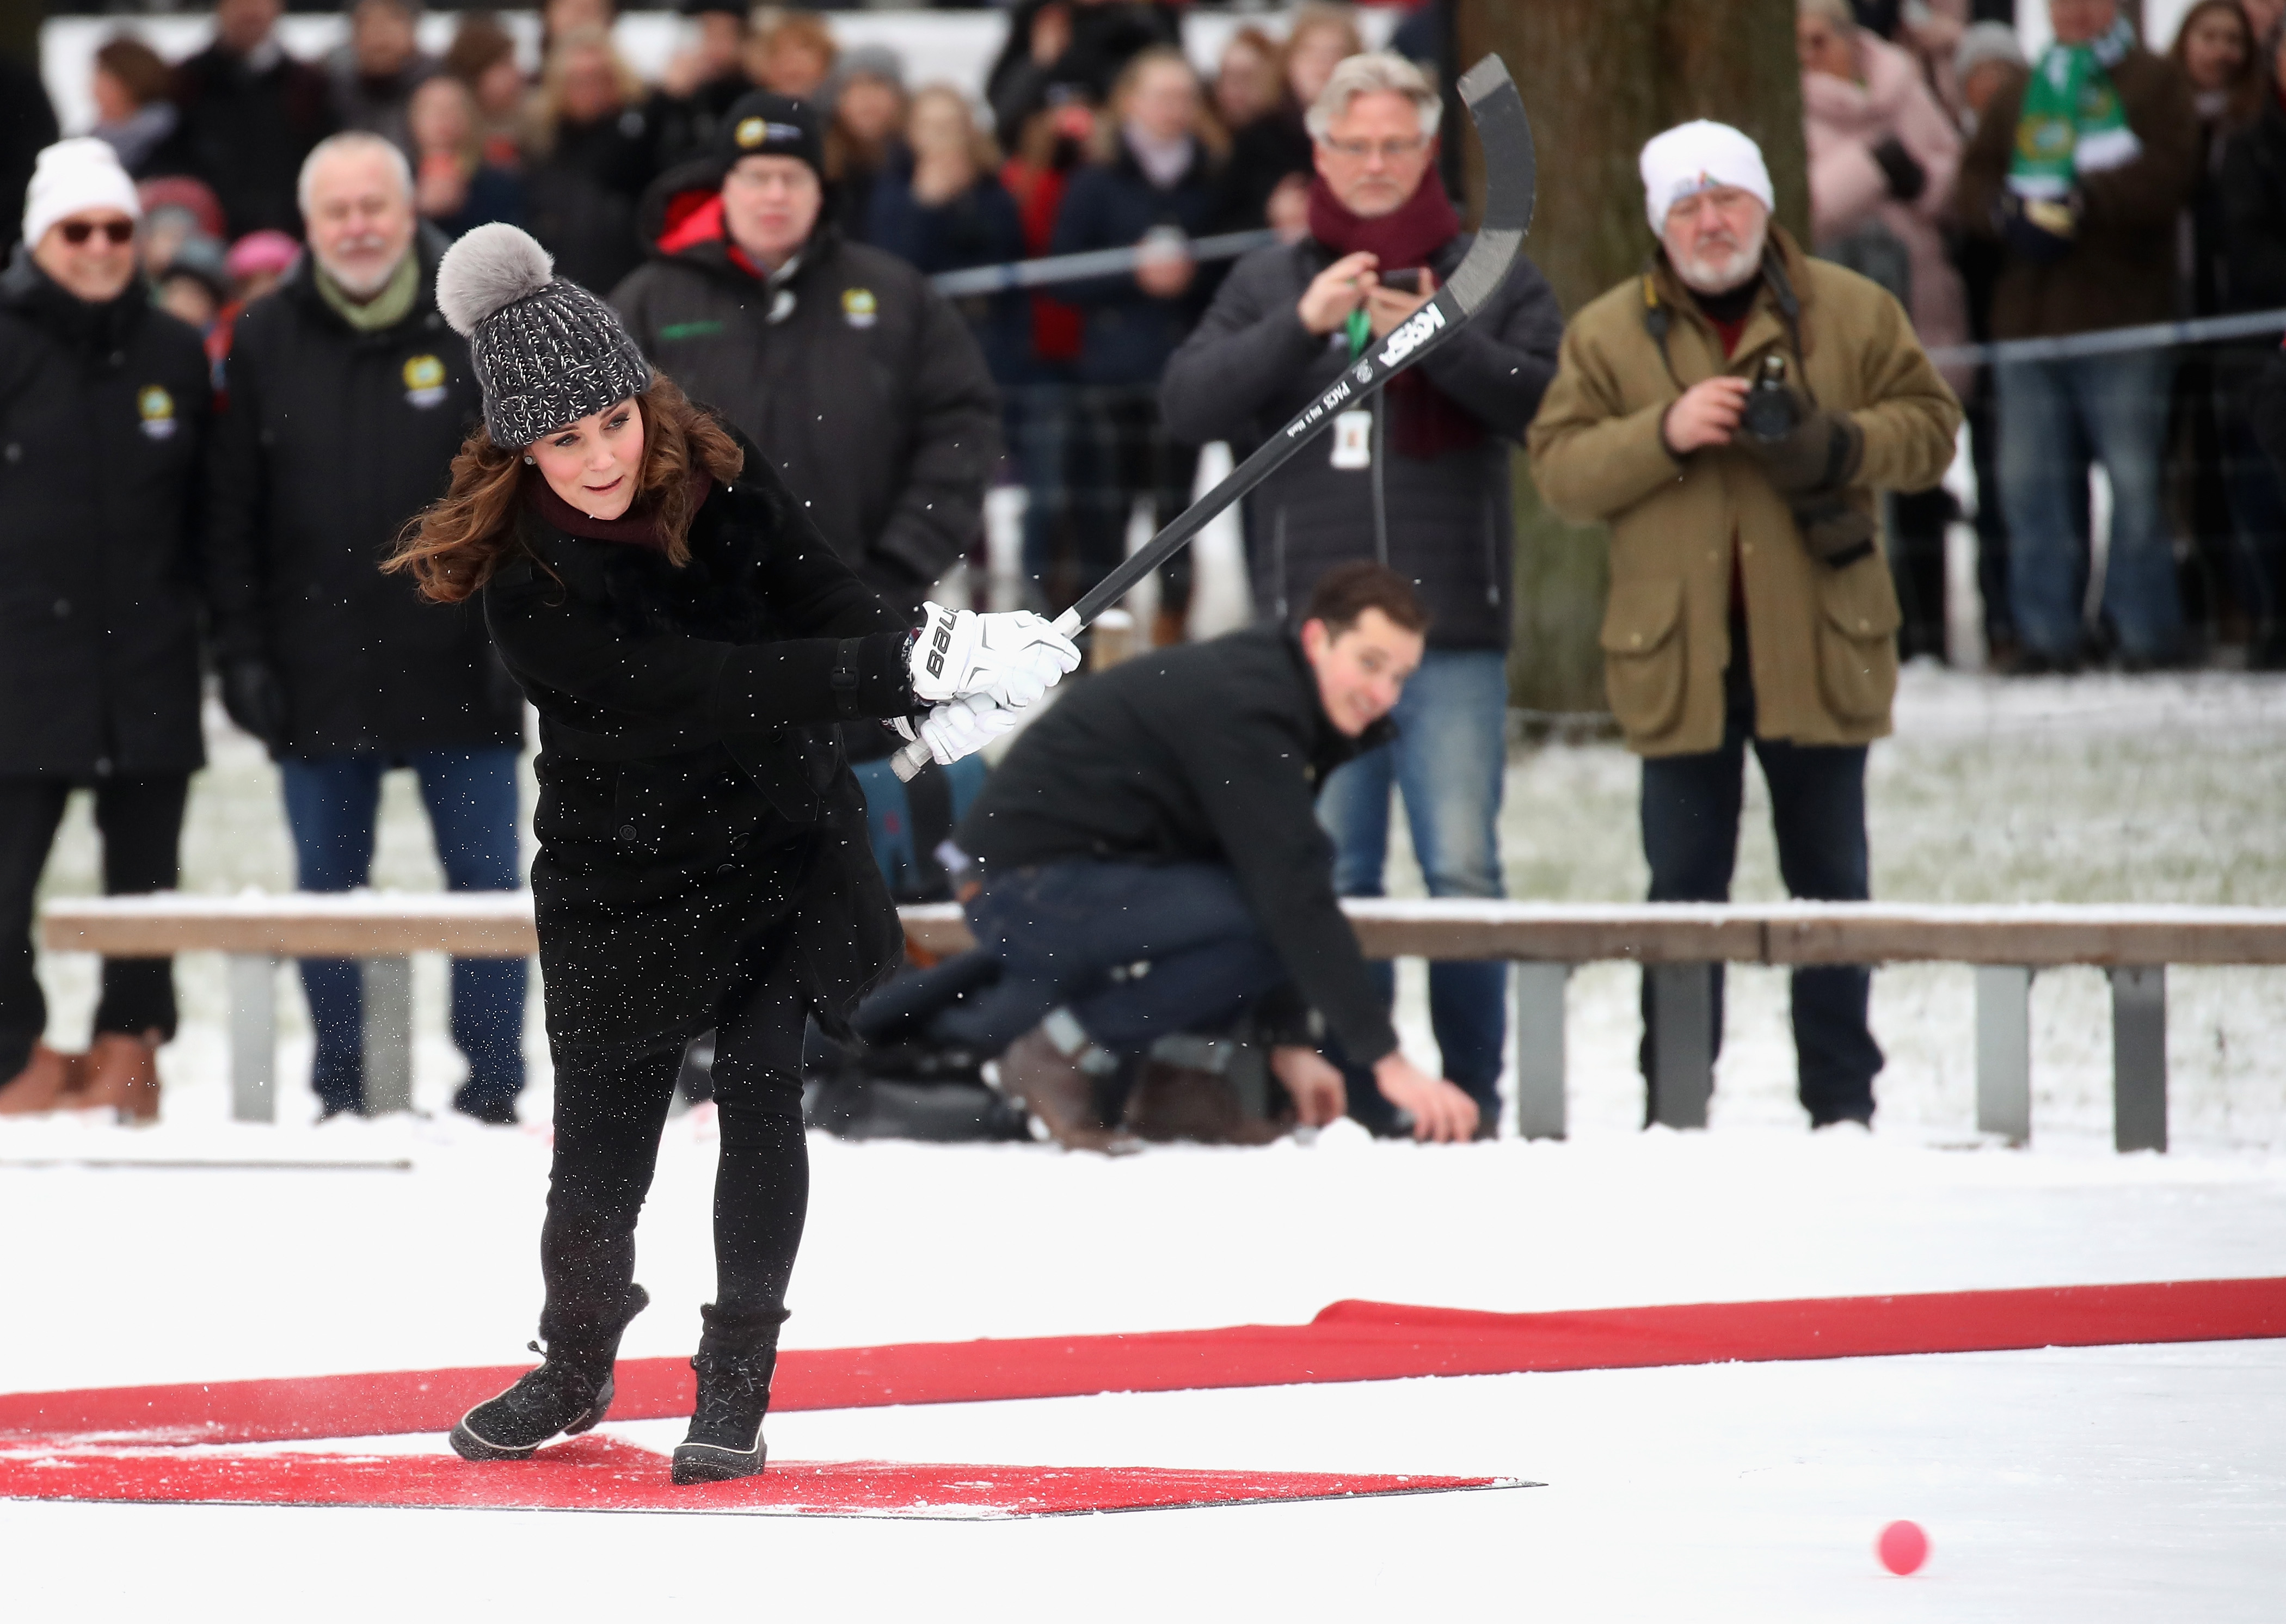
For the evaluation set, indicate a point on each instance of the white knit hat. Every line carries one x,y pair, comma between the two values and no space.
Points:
80,173
1697,157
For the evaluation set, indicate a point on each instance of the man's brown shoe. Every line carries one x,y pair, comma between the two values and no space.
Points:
1055,1087
120,1072
41,1086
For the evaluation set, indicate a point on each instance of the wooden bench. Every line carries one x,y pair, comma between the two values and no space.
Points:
1674,942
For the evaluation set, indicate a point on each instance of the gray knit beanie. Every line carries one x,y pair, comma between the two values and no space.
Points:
547,352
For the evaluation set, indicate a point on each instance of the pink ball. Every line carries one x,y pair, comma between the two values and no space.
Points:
1903,1547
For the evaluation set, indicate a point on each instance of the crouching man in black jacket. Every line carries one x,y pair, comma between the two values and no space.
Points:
1163,814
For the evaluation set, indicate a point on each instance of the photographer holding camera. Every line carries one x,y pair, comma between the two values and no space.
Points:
1731,413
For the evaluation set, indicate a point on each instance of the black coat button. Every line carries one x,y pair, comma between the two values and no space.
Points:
627,832
63,609
727,869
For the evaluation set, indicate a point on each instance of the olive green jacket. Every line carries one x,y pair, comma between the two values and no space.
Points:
1823,640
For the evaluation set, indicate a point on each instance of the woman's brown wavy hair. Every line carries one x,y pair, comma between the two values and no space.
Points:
460,541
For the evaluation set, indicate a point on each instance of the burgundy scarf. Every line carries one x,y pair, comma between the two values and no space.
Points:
638,526
1423,420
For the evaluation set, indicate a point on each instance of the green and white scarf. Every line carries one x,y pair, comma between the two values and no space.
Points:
2072,123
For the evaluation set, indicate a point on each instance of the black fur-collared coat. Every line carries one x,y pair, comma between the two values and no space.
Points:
696,815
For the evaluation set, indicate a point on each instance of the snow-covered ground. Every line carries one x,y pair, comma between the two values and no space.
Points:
2081,1485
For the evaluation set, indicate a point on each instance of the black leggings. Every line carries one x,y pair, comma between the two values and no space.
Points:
609,1110
141,822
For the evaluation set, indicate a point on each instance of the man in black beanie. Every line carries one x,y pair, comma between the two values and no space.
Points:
857,379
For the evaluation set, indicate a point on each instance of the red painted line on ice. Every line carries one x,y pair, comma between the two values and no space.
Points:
1347,1342
604,1474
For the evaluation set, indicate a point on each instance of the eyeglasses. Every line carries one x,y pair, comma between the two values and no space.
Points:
1390,150
118,232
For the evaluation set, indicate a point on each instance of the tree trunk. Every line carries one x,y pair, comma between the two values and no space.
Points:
1599,78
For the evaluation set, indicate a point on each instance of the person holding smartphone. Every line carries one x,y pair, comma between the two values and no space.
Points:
1416,478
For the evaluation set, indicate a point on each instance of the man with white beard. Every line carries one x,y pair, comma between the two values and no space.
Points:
1731,413
347,398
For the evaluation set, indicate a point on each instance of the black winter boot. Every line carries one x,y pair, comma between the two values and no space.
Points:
569,1392
735,1360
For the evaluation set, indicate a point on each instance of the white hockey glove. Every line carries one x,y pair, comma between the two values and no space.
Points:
1013,659
957,728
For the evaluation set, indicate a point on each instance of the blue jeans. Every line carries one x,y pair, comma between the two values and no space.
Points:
470,794
1447,759
2056,418
1690,806
1068,933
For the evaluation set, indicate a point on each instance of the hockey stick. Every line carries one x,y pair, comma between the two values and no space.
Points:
1511,184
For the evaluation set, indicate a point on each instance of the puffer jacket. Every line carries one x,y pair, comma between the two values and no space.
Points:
1843,123
331,441
1442,521
104,417
860,380
1822,641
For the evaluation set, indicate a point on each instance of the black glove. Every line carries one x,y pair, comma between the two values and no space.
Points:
2040,230
1812,465
255,700
1906,177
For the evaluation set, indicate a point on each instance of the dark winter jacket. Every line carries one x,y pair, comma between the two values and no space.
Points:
1262,154
1441,521
581,197
103,420
857,378
1204,753
694,810
2120,269
1131,333
493,193
977,227
2251,199
1105,37
330,442
245,131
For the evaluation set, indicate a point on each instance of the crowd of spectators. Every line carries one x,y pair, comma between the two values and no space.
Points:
1093,132
2104,185
766,219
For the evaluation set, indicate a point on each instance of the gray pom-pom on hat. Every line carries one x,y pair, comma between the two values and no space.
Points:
547,352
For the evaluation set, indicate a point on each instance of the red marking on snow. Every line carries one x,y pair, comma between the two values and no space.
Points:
1347,1342
604,1474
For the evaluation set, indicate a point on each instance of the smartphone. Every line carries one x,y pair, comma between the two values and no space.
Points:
1407,280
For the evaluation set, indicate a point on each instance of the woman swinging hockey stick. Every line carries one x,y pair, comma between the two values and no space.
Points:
689,642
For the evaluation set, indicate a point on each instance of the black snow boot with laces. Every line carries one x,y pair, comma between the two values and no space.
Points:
570,1392
736,1357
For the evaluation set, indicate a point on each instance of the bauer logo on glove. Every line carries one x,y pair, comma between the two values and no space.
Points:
1011,659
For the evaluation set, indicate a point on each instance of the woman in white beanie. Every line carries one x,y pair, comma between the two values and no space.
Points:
690,642
103,415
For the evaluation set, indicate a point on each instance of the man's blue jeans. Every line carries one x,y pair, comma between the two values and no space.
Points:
2056,418
1067,933
331,802
1447,760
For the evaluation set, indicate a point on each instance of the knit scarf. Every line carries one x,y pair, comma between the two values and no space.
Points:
2072,123
386,308
638,526
1423,420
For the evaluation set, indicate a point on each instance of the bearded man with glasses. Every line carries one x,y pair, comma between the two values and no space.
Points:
1417,479
103,412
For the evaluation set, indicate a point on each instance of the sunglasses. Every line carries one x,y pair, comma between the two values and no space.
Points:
118,232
